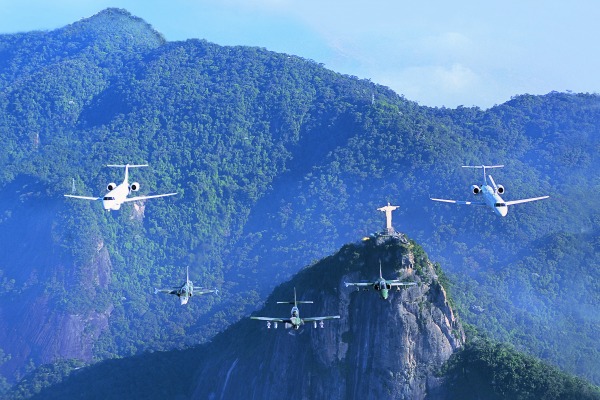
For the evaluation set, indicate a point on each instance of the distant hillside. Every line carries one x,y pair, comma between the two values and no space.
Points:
488,370
277,162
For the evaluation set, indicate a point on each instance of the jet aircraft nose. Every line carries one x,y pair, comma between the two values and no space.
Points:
502,211
109,204
384,294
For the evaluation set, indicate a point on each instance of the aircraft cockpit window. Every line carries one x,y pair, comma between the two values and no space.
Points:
500,205
108,198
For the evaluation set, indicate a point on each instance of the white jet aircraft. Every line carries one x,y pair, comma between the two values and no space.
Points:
490,193
117,194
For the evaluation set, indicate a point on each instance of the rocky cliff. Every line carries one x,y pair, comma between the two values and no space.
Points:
377,349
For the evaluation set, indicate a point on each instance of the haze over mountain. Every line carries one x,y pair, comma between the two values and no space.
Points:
278,162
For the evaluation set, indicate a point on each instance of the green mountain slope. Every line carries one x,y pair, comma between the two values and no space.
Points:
277,162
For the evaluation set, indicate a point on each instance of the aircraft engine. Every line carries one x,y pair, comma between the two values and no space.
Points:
134,186
475,189
500,189
111,186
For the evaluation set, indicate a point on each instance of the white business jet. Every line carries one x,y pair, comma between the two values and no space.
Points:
117,194
490,193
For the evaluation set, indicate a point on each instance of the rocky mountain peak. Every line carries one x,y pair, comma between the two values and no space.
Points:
377,349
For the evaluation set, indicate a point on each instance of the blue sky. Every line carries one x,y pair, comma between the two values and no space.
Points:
438,53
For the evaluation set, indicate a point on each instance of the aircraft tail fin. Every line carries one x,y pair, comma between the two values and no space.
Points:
494,186
380,274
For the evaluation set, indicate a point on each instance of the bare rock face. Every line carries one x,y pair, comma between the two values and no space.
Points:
378,348
33,328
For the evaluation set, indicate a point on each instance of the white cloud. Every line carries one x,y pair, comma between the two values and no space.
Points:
439,85
456,78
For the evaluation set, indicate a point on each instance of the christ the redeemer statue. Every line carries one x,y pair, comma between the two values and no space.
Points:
388,217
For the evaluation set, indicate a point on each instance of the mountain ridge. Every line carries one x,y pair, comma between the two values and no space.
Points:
229,128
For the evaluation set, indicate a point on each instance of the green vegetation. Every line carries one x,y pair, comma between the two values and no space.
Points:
43,377
278,162
491,370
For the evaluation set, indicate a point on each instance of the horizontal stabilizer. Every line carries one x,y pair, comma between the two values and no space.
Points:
126,165
483,166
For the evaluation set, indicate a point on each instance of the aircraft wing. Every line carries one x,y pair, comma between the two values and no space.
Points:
205,291
83,197
272,319
312,319
469,203
168,291
399,283
360,284
510,203
147,197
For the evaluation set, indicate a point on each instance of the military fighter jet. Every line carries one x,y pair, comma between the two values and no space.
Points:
294,321
117,194
491,194
185,291
383,286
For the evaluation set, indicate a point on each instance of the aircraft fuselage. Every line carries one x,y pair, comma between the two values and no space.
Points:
493,200
382,288
186,292
112,200
295,319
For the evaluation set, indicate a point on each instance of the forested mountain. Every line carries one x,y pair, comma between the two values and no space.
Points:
410,346
277,162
